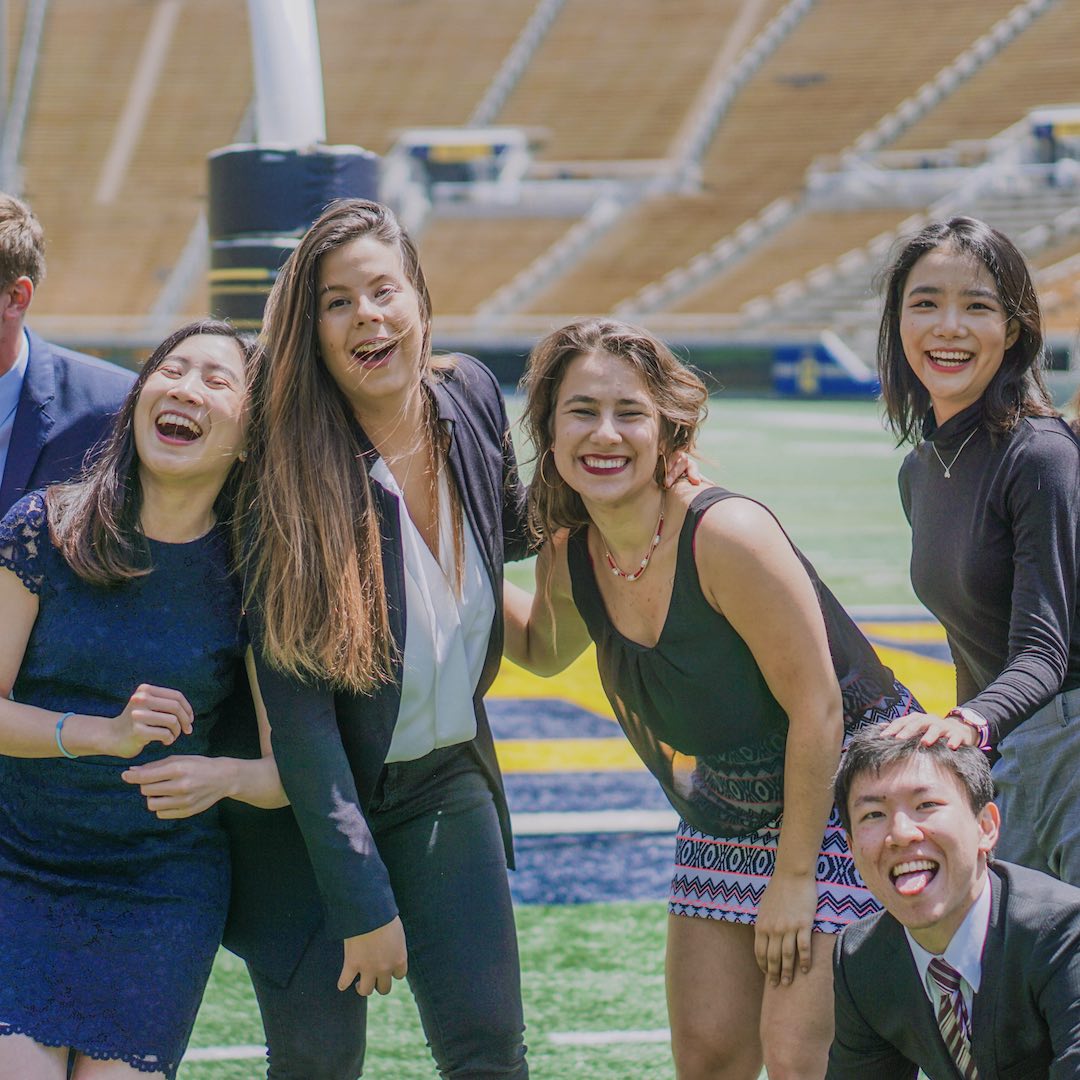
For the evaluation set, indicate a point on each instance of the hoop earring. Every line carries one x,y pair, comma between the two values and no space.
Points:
660,475
540,469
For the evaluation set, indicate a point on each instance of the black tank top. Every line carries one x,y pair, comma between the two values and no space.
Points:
696,706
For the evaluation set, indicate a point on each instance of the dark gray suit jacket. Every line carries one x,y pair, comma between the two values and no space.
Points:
67,404
1025,1017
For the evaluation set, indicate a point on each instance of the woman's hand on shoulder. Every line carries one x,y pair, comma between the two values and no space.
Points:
183,785
152,714
681,466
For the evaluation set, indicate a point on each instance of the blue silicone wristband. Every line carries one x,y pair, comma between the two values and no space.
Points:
60,737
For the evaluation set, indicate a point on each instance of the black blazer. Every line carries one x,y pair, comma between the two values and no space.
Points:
331,746
67,404
1025,1018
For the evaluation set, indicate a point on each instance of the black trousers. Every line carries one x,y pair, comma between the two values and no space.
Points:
437,830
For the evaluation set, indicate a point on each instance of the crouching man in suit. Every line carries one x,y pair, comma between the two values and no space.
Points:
54,404
973,969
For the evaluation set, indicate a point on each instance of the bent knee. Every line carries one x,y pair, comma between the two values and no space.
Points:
706,1054
790,1059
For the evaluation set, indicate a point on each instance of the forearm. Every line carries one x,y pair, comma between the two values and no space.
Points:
810,760
525,642
29,732
317,778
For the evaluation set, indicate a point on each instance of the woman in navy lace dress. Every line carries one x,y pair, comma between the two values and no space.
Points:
120,638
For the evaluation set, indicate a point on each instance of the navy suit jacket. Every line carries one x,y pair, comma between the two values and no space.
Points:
67,405
331,745
1025,1018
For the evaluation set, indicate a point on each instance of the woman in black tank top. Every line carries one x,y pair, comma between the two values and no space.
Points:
732,670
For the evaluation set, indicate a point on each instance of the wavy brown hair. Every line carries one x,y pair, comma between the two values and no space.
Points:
311,533
679,396
1017,388
94,520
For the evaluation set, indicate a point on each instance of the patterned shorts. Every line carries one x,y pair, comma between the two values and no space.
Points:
720,877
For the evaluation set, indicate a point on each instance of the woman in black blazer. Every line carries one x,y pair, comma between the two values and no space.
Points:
383,501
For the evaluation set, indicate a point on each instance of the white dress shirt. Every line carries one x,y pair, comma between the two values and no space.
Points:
964,952
11,384
446,634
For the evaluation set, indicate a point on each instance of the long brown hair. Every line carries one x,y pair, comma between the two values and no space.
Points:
678,394
1017,388
312,536
94,520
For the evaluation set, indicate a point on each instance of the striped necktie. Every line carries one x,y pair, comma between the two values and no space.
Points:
952,1017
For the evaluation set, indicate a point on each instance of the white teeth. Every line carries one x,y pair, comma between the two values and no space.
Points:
912,867
372,346
605,463
944,356
177,420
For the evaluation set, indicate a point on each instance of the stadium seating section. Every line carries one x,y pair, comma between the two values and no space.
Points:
131,95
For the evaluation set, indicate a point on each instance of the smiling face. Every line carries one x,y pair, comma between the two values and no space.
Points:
605,429
370,327
953,328
919,846
189,420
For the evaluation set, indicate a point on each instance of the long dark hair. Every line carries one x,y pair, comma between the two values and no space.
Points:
94,520
678,394
1017,388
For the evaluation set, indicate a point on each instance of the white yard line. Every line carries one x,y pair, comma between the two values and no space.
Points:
225,1053
608,1038
595,821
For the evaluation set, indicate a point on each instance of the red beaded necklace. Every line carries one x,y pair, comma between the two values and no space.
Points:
644,564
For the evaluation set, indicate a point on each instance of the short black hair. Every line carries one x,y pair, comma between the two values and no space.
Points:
870,751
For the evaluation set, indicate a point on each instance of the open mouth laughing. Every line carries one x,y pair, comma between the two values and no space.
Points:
374,352
912,877
176,427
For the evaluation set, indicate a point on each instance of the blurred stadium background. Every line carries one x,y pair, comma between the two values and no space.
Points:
732,173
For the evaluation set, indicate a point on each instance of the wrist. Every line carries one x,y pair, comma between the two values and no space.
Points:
230,773
980,728
83,736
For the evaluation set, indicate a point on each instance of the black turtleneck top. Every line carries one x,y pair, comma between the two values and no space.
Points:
996,557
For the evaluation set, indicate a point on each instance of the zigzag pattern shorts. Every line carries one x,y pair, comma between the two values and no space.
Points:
724,877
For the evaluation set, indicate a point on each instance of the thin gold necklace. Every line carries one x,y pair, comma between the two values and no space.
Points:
948,468
617,570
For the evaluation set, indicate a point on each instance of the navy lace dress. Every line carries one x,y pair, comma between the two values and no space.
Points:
110,917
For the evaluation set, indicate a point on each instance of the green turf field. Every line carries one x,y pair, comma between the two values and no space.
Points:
828,470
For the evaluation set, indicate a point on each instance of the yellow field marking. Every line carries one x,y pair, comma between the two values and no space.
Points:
918,633
579,684
933,682
567,755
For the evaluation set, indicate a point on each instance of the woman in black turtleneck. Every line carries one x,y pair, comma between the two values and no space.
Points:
992,492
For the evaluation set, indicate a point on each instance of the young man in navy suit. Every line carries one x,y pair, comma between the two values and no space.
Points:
973,969
54,404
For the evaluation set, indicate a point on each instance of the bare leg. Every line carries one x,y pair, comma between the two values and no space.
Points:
90,1069
23,1059
797,1020
714,990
